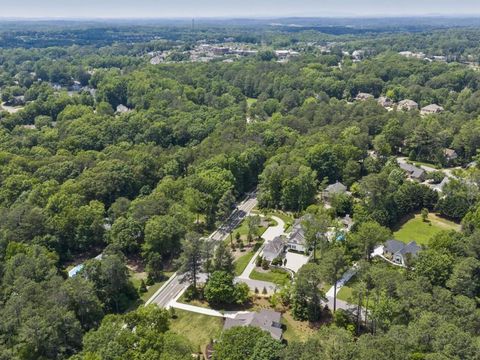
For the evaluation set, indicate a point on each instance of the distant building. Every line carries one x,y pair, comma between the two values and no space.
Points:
274,248
334,189
75,270
450,154
358,55
220,50
413,172
398,252
407,105
431,109
441,186
347,222
267,320
122,109
385,102
296,240
414,55
363,96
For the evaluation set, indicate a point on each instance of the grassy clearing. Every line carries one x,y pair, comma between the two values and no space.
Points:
251,101
198,328
275,276
287,218
415,229
242,262
242,229
420,163
346,291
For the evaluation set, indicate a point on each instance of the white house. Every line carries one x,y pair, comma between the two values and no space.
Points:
398,252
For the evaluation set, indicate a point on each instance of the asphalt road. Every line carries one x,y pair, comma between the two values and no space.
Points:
242,210
173,287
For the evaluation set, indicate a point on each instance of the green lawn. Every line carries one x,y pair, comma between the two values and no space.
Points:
417,230
287,218
420,163
199,329
345,292
276,276
242,229
251,101
242,262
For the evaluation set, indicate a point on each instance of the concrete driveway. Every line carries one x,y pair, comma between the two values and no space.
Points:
295,261
273,231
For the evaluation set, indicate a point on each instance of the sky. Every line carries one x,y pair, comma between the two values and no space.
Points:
232,8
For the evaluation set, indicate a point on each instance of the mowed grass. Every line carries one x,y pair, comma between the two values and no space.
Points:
242,262
198,328
346,291
275,276
242,229
415,229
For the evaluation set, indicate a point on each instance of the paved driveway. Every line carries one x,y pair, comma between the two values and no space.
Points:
273,231
295,261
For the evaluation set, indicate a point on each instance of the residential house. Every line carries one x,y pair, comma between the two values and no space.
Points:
334,189
407,105
274,248
410,54
122,109
385,102
267,320
347,222
439,187
363,96
450,155
358,55
413,172
296,239
399,252
431,109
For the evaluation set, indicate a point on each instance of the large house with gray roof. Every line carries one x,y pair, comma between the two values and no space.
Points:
398,252
413,172
296,240
267,320
274,248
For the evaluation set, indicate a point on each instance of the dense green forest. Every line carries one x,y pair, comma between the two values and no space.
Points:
79,177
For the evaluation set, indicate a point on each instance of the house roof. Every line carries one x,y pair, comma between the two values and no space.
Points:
267,320
450,153
122,109
413,171
410,248
273,248
364,96
385,101
336,188
432,108
297,236
407,104
393,246
397,247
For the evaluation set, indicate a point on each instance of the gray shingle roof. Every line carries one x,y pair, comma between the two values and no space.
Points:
413,171
267,320
336,188
273,248
398,247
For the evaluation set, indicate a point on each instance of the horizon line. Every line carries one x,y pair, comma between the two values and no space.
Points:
245,17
